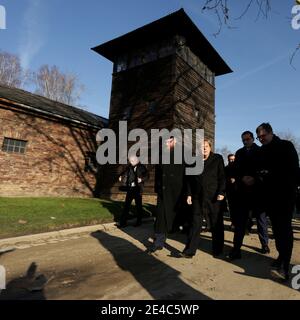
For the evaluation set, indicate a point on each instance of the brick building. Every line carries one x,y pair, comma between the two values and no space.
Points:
46,148
163,77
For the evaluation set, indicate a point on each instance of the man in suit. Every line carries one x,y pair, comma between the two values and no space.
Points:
279,170
134,175
248,195
231,187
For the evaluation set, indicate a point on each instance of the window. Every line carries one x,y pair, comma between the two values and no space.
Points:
90,162
126,114
197,113
152,106
14,145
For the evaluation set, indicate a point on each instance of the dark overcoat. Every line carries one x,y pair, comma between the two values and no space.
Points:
247,162
169,186
209,184
279,170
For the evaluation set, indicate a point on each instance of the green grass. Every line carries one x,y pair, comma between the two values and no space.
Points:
21,216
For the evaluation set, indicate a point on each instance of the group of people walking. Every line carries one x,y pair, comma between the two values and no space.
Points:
258,181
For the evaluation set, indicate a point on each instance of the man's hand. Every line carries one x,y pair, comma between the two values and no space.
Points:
120,178
220,197
189,200
139,180
232,180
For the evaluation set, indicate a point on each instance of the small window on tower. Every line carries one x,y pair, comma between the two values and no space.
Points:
197,114
14,145
152,106
126,113
121,64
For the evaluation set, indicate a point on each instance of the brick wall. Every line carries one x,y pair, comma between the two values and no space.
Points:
54,161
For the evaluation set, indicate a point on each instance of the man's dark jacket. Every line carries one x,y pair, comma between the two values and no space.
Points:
279,171
247,163
132,176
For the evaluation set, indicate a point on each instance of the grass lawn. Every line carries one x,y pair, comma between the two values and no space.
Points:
21,216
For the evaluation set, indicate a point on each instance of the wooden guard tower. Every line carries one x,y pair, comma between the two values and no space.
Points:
163,77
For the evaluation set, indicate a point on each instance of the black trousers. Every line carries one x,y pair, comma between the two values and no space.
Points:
281,219
215,216
298,201
242,222
232,206
132,193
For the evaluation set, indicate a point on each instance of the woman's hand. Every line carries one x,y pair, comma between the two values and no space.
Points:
220,197
140,180
189,200
120,178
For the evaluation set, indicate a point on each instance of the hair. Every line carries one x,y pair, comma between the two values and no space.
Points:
230,155
247,132
209,142
265,126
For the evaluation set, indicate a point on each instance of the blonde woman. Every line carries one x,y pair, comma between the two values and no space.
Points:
205,193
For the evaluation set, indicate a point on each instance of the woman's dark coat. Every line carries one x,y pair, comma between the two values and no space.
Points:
209,184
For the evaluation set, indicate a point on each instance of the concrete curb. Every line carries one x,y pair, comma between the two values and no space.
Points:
42,238
27,241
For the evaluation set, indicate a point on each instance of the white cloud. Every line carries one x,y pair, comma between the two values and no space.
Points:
32,39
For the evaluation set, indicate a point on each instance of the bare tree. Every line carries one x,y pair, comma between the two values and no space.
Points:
224,152
55,85
291,137
222,9
11,71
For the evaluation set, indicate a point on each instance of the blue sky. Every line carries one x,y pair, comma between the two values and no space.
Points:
263,86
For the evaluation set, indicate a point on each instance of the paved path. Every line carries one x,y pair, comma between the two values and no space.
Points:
112,264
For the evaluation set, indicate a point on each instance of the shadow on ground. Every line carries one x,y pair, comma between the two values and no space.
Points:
116,207
161,281
254,263
28,287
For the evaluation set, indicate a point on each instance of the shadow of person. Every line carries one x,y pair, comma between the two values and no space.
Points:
254,264
29,287
116,208
143,232
161,281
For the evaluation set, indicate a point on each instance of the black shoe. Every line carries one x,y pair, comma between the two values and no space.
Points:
276,264
234,255
217,254
265,250
186,255
154,249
